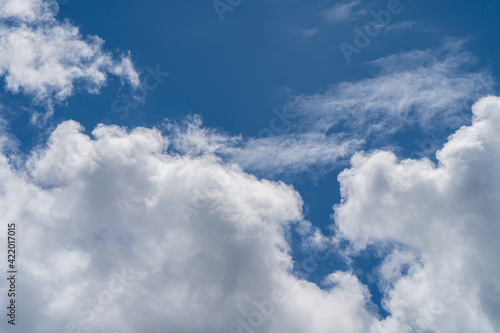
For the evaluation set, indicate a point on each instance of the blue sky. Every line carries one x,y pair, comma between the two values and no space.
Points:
323,120
235,72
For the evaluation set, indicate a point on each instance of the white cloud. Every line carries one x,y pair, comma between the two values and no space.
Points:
446,216
45,58
293,153
202,242
118,234
405,25
27,10
192,139
309,32
343,12
314,134
427,87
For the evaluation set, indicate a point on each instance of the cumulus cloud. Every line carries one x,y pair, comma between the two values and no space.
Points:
27,10
119,234
45,58
137,231
443,274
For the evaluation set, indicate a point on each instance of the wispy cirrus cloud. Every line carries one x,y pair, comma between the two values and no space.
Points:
294,154
405,25
419,86
309,32
345,12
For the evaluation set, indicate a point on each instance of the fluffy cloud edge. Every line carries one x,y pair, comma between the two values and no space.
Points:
46,58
